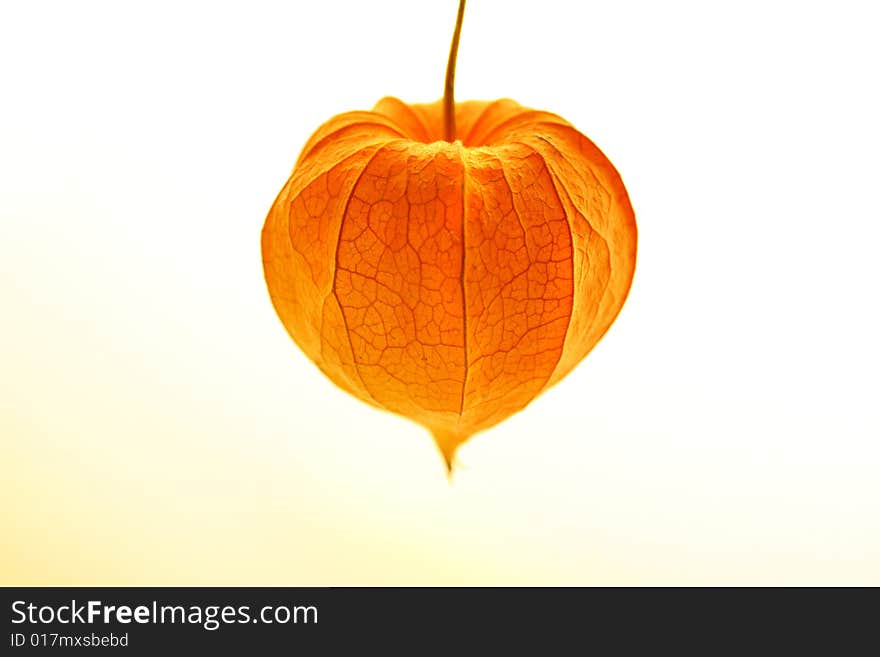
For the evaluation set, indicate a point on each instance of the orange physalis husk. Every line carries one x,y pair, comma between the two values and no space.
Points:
449,282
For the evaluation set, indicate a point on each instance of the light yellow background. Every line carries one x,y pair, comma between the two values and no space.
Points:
157,426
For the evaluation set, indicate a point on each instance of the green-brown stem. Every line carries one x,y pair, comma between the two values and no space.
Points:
449,94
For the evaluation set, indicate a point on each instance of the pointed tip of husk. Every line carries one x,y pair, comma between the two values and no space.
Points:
447,459
447,442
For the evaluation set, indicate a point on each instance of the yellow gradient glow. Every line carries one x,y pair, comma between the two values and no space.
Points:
158,426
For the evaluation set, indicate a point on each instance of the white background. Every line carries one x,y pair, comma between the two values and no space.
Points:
157,424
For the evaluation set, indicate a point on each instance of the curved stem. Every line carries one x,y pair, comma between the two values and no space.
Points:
449,93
